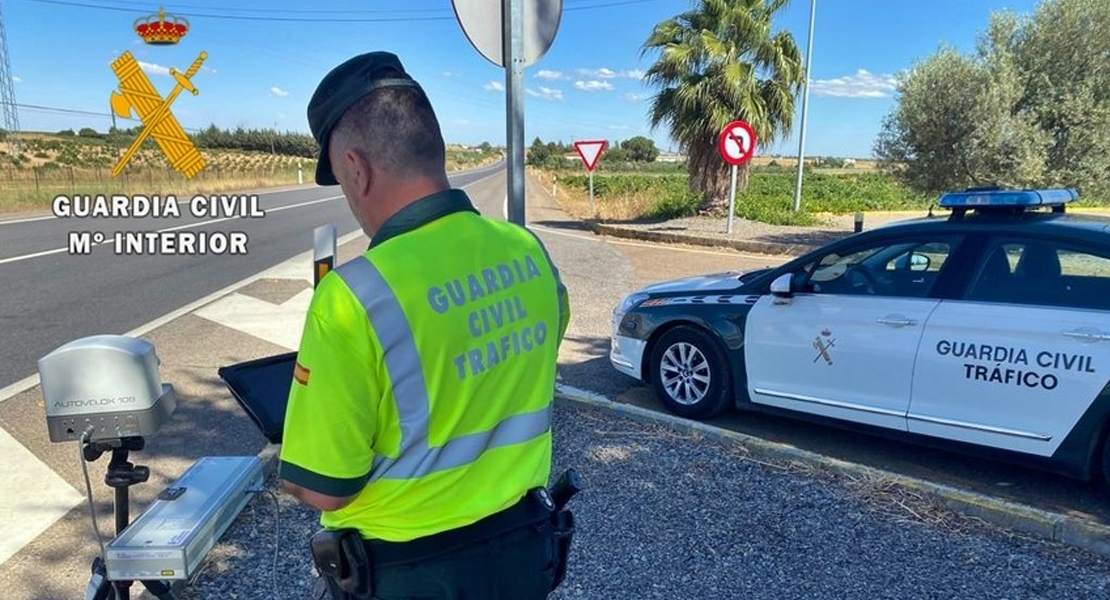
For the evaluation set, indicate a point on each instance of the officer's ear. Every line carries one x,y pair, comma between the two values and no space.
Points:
359,171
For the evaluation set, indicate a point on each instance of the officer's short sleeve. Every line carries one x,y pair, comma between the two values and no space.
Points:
329,422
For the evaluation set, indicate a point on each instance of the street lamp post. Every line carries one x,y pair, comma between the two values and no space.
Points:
805,110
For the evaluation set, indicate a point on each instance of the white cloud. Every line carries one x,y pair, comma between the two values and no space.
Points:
606,73
452,74
208,70
278,92
545,93
593,85
620,128
636,97
16,79
494,86
602,73
153,69
549,75
861,85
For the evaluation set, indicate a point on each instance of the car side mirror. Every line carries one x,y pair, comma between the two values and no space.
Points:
919,262
783,286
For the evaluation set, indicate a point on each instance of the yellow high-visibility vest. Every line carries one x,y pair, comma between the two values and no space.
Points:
426,373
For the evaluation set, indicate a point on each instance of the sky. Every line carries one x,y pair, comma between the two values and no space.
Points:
266,58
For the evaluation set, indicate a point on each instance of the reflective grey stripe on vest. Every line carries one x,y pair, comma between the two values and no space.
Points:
402,361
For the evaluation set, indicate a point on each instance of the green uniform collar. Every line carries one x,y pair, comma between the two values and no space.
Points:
422,212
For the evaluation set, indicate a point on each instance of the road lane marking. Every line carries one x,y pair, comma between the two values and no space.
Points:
183,201
108,240
669,247
279,324
35,498
28,220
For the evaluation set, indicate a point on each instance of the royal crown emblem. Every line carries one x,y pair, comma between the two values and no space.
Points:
161,30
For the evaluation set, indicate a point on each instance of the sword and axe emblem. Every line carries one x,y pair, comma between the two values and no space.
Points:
824,346
136,93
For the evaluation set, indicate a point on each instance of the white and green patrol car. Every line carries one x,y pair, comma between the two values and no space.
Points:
987,330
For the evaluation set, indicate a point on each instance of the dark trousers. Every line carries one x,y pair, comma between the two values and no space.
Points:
515,566
518,565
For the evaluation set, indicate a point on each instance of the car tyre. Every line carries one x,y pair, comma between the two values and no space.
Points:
689,371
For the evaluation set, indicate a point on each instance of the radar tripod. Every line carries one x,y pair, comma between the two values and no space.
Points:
121,475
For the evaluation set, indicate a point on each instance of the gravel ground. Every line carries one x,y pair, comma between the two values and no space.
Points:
666,515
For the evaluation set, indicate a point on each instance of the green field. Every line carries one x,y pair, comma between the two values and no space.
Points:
769,197
52,165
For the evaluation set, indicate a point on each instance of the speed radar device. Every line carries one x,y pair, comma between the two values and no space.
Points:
104,387
106,393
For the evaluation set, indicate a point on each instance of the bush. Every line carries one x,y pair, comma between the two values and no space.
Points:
674,206
768,199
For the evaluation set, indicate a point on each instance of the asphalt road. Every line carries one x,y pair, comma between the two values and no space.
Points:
50,297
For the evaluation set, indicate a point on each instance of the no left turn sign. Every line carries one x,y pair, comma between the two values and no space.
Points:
737,143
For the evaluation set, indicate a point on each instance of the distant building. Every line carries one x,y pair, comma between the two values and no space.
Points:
670,158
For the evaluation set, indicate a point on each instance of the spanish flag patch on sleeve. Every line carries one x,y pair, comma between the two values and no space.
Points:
300,374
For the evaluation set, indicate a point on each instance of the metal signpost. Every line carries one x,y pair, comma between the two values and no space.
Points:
590,151
736,145
512,34
805,110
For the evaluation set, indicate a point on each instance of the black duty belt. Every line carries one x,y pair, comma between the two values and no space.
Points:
528,511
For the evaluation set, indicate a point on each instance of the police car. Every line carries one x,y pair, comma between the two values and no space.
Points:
988,328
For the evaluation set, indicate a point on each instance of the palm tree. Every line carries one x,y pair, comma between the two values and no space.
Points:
717,63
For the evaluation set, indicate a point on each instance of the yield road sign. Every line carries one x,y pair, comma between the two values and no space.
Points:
737,143
590,151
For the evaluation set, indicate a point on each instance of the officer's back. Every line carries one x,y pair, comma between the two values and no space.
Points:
419,417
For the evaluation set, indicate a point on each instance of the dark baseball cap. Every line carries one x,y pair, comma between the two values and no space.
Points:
340,89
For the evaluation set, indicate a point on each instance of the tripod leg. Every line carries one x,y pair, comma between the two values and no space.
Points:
99,587
160,589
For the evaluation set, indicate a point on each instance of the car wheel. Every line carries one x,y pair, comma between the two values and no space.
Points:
690,374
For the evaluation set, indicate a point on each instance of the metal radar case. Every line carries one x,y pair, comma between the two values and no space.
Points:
104,387
105,392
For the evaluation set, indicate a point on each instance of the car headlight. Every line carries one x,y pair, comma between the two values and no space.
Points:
630,301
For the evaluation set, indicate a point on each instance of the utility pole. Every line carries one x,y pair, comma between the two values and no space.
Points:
805,107
7,90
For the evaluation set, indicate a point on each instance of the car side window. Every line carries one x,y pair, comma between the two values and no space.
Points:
903,269
1043,273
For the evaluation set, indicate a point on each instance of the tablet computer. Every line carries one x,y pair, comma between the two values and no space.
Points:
262,388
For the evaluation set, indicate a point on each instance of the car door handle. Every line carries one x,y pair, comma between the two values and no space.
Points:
1090,336
896,321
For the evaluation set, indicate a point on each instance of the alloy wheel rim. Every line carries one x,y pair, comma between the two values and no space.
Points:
684,372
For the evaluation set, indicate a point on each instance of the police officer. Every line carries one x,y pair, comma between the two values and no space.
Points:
419,415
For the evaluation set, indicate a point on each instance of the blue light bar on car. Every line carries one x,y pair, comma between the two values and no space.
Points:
1015,198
